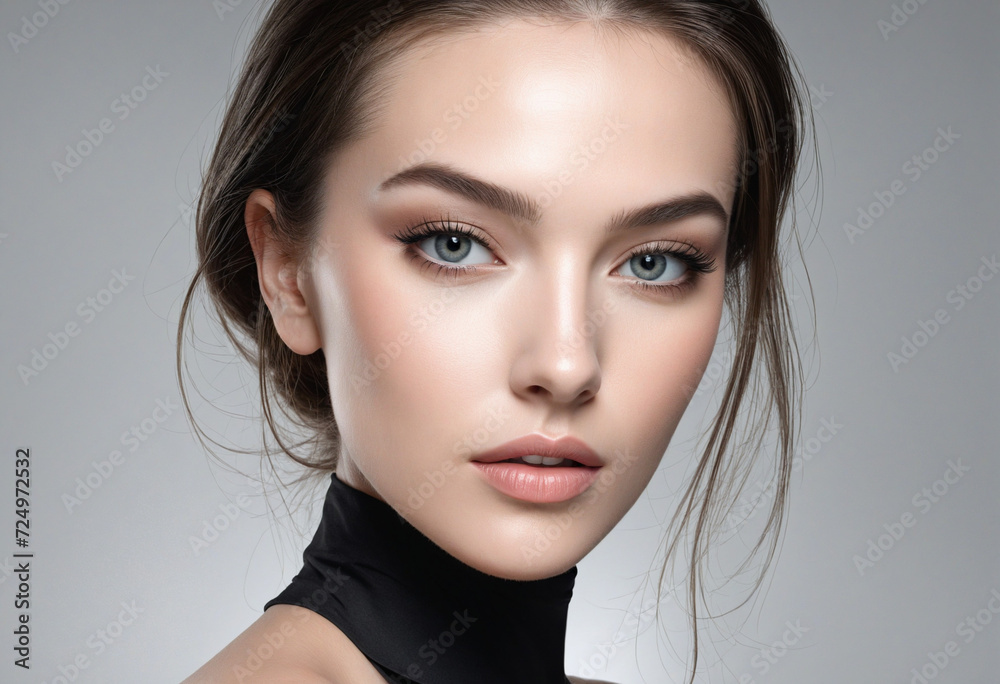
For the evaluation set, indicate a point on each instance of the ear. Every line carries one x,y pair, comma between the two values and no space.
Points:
278,275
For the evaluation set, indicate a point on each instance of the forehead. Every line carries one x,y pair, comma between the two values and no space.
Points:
525,100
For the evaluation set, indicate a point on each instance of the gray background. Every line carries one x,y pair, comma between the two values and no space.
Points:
878,101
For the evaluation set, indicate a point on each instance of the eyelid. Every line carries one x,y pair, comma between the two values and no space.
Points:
695,258
423,228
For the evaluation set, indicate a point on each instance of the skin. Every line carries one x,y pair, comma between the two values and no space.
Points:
516,339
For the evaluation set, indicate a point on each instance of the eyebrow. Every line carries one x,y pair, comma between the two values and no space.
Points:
522,207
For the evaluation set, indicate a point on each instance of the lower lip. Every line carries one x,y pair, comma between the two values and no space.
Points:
541,484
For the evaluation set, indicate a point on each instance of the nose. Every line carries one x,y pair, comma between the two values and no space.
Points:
558,334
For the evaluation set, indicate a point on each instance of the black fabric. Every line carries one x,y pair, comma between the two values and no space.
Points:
419,614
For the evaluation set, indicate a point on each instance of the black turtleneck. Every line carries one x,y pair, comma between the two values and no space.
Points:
418,613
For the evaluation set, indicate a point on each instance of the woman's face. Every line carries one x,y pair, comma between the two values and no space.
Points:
535,140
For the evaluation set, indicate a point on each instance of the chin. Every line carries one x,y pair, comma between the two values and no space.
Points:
512,566
525,556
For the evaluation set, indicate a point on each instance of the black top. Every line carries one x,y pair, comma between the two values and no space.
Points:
419,614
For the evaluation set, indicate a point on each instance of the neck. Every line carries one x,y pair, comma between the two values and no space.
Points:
419,612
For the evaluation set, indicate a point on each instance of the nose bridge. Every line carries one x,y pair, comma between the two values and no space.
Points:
570,289
559,349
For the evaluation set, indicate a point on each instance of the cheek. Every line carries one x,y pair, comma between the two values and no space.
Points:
404,359
656,362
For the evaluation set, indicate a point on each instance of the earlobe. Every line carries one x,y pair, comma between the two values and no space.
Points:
277,273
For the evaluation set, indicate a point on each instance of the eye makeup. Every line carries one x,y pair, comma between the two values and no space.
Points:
696,263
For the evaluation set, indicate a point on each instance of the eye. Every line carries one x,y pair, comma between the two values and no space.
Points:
667,268
654,267
452,248
445,244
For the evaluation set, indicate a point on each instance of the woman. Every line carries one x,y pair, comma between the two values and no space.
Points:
480,251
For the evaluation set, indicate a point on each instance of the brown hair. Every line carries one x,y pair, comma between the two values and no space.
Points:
311,84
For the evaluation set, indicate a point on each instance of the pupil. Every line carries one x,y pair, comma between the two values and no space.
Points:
649,265
450,247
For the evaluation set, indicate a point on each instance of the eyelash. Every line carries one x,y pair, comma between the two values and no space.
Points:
698,263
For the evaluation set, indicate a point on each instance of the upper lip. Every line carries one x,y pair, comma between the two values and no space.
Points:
569,447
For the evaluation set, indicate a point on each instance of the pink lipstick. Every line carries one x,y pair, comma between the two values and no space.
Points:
539,469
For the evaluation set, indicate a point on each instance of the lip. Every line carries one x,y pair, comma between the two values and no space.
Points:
568,447
540,484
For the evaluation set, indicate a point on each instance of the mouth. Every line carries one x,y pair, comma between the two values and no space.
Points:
539,469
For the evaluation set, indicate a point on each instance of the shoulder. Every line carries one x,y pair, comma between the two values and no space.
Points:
288,645
581,680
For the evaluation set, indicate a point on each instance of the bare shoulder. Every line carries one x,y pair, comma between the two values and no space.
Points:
581,680
289,645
